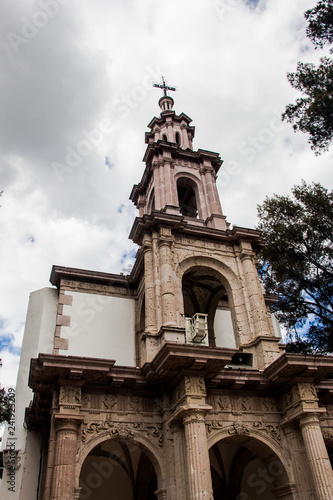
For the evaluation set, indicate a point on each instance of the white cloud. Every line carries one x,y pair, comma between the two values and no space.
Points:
96,61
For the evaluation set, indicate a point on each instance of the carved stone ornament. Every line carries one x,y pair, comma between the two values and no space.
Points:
109,401
122,430
268,405
224,403
135,403
238,429
247,404
272,430
70,395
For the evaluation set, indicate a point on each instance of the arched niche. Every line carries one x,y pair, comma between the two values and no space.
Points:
244,467
206,291
122,466
187,191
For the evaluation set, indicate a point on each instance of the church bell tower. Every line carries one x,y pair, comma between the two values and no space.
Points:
199,283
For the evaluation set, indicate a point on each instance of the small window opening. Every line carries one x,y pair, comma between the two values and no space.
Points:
178,138
164,137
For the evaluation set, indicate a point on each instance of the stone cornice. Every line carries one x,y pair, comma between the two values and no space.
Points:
180,224
173,361
176,118
299,367
59,273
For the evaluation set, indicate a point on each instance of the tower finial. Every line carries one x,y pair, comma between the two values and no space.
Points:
163,86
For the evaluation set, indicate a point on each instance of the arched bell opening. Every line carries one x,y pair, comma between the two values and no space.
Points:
243,467
120,470
205,295
187,197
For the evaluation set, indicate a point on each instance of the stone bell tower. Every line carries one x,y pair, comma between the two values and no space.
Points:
195,268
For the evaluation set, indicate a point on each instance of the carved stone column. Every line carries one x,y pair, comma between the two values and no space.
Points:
198,465
317,456
302,474
150,303
257,303
63,480
169,314
180,460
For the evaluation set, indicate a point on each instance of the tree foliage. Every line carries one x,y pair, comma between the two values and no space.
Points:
313,113
320,24
297,264
5,407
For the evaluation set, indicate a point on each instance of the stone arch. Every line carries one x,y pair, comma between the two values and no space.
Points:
130,437
231,283
255,460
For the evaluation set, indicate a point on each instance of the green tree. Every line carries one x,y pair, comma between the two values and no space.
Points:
5,407
297,264
313,113
320,24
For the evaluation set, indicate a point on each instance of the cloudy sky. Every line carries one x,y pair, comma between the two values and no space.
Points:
76,97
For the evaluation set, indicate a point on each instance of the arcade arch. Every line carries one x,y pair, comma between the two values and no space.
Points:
245,468
120,466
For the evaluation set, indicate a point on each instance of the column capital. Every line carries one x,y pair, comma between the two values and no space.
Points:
309,418
67,423
189,413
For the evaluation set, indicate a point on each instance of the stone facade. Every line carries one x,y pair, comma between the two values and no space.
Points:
199,414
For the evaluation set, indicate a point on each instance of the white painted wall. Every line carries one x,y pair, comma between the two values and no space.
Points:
101,326
38,338
223,329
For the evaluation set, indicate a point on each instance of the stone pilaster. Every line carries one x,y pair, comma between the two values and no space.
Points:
63,479
317,456
198,465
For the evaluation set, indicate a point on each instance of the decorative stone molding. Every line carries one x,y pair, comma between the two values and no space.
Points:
272,430
122,430
237,428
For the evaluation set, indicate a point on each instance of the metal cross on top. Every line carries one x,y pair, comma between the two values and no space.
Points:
164,86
